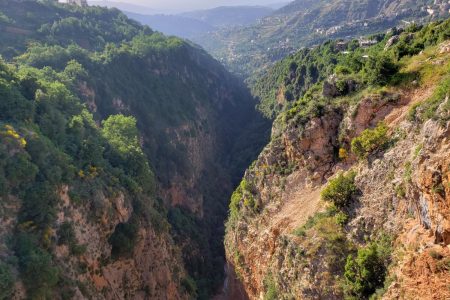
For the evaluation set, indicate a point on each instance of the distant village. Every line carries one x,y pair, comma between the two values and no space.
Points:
437,9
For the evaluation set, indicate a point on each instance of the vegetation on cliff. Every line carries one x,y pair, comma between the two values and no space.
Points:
49,140
355,65
330,105
134,126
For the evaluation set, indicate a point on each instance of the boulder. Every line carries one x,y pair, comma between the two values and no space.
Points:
393,40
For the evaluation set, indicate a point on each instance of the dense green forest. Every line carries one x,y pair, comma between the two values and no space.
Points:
96,102
48,140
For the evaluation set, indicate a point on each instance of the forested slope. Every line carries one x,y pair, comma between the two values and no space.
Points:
120,148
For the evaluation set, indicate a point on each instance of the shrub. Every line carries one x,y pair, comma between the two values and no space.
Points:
323,236
6,282
340,190
366,272
77,250
343,154
123,239
189,286
341,218
66,234
431,106
39,274
242,193
435,255
370,140
271,288
400,191
342,70
378,70
408,171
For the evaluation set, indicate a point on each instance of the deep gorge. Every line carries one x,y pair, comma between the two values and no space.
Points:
153,136
134,165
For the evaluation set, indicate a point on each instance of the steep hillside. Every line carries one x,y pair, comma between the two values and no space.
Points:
79,213
350,199
304,23
93,105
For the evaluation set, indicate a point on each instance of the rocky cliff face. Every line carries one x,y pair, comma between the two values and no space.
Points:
285,242
148,272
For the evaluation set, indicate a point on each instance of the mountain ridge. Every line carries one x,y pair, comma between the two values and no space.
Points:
194,23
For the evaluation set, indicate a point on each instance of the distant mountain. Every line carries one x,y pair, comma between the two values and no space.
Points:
226,16
173,24
305,23
129,7
277,5
192,25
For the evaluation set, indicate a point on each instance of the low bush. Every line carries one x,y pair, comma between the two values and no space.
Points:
243,197
340,190
370,140
366,272
189,286
271,288
66,234
123,239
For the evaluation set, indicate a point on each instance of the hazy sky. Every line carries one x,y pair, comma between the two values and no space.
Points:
192,4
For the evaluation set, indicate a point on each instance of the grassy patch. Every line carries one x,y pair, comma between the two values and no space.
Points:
270,287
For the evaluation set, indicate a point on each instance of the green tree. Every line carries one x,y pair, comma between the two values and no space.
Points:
39,274
365,272
121,132
340,190
13,105
379,69
370,140
123,239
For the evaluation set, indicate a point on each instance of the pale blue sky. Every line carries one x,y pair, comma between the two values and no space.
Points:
192,4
